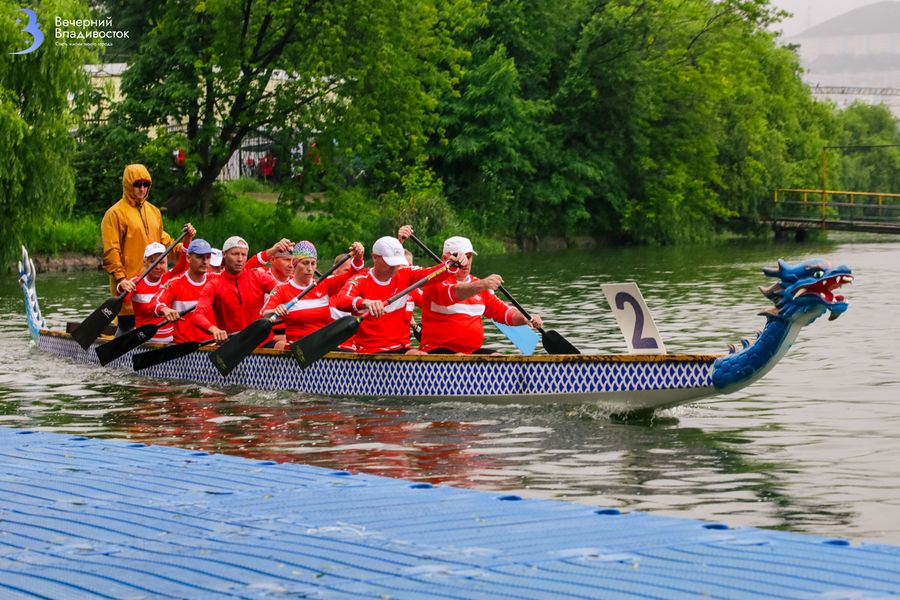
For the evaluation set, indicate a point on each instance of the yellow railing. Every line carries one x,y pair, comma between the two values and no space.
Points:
864,206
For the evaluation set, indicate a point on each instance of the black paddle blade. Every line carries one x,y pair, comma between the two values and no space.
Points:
240,345
554,343
145,360
91,328
112,350
320,342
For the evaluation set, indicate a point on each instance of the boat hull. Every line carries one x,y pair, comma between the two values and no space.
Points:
618,383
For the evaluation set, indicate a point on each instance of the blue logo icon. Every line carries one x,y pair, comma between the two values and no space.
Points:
33,27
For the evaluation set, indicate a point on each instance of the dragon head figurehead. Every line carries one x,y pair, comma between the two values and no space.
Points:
806,289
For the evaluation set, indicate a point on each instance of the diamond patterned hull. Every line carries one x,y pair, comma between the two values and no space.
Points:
619,383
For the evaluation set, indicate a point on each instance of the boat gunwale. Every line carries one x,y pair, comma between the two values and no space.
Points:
476,358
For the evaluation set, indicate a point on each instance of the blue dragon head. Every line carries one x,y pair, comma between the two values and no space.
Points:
806,289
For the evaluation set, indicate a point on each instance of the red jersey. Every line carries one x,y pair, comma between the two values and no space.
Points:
456,325
143,300
180,294
413,300
231,302
390,332
313,311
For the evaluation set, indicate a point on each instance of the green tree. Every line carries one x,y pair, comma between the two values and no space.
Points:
36,182
872,161
359,77
495,153
667,117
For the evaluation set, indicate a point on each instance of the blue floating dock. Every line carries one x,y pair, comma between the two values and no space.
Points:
85,518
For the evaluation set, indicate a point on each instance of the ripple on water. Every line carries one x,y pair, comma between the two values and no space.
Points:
811,447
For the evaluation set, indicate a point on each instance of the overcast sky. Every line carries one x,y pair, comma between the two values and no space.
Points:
812,12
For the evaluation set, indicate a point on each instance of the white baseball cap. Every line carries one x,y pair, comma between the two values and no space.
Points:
458,244
234,241
154,248
390,249
215,257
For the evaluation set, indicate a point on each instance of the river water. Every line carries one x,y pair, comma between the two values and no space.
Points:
813,447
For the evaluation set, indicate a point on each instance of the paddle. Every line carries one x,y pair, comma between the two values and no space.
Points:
553,342
91,328
320,342
242,343
144,360
112,350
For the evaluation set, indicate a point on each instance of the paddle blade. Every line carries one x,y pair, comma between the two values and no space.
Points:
240,345
311,348
554,343
112,350
144,360
91,328
522,336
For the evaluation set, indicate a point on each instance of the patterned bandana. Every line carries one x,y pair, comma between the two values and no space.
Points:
304,249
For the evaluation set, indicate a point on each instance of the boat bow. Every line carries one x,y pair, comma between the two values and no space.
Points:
803,293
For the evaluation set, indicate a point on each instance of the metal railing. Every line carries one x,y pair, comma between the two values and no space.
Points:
837,209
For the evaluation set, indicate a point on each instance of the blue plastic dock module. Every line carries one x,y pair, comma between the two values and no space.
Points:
83,518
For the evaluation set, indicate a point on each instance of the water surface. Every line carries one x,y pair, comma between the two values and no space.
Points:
813,447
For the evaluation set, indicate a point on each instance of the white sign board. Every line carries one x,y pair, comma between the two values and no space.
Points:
634,318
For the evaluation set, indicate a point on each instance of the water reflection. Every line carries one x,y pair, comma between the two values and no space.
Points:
809,448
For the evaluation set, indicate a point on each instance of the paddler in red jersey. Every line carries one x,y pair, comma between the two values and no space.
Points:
277,261
143,293
183,293
234,298
313,311
385,328
452,310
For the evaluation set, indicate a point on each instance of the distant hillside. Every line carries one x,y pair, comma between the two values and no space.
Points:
881,17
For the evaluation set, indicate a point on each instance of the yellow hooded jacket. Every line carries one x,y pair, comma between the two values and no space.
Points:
127,227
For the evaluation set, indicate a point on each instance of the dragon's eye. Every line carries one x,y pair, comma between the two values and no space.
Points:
818,274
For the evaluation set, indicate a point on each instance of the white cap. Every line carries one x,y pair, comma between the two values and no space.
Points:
457,244
234,242
154,248
215,257
390,249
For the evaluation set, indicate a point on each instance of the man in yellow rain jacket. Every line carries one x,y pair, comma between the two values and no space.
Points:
127,227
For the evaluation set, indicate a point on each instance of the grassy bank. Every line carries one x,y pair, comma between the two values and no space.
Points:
248,210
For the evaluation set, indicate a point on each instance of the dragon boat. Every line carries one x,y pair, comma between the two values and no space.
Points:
619,383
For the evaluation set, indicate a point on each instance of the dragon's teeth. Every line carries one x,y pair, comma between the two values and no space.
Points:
800,292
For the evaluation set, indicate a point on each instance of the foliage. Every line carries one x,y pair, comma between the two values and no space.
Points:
244,185
107,148
260,223
35,118
655,122
871,163
635,121
81,235
361,74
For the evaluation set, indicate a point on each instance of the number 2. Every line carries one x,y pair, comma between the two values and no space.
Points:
623,298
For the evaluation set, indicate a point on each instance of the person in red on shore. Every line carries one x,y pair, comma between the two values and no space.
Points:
234,298
452,310
276,261
143,293
183,292
313,311
385,328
